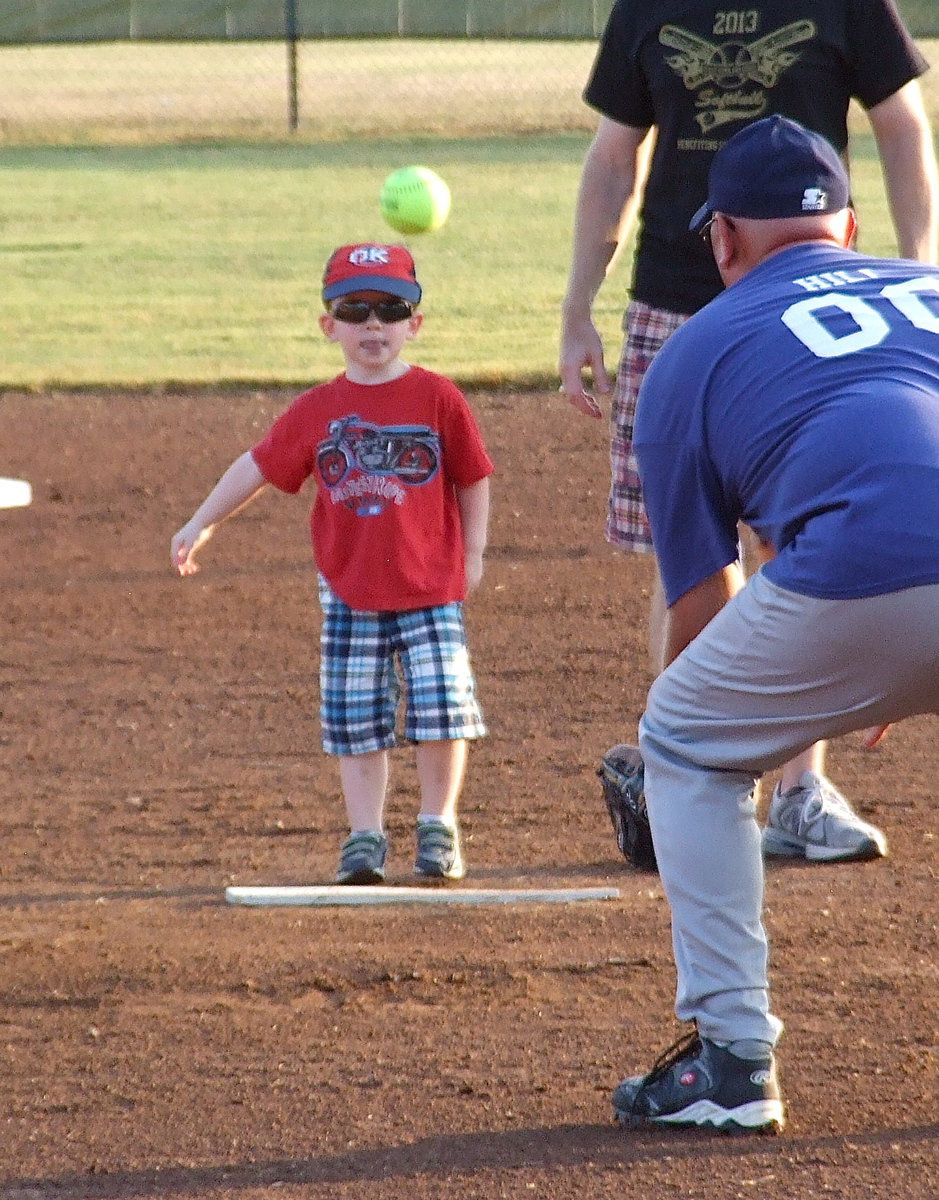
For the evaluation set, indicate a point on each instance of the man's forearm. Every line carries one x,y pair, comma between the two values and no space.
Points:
596,236
610,190
696,608
908,158
912,196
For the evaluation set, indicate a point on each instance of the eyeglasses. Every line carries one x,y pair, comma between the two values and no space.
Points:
704,233
357,312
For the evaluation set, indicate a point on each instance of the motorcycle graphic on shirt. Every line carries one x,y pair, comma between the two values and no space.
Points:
367,466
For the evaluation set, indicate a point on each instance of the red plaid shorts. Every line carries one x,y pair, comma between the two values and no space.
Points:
646,330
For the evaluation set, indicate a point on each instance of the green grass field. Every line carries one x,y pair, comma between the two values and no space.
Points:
203,264
200,263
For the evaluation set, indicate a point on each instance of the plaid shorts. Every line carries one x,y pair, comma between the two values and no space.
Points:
366,658
646,330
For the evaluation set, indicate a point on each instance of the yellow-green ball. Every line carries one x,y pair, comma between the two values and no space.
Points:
414,200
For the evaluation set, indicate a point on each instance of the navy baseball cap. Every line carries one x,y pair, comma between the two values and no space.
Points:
774,168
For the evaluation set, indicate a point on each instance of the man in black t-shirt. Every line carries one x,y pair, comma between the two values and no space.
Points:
673,80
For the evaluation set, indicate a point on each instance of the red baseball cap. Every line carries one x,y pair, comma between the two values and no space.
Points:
371,268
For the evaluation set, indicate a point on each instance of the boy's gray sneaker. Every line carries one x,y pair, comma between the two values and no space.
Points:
697,1082
814,821
438,851
362,858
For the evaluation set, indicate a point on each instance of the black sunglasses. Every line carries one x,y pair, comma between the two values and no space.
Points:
357,312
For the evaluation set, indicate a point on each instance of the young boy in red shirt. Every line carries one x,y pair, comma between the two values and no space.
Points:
399,530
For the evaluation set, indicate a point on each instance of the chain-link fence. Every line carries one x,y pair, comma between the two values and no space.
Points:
330,90
75,71
31,21
251,20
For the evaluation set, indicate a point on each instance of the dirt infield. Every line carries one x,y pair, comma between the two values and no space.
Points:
159,742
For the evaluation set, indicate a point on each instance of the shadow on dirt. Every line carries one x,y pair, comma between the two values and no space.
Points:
564,1146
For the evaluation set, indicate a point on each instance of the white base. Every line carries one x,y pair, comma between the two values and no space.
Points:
344,894
15,493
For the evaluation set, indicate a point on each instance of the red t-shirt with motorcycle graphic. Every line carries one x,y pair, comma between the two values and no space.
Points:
386,459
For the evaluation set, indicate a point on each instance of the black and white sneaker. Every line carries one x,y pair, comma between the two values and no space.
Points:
697,1082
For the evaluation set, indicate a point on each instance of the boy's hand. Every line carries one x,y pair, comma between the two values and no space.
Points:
185,544
473,566
240,484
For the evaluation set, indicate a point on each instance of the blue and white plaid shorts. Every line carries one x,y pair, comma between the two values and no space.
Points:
368,658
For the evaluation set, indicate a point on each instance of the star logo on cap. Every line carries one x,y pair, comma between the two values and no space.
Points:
814,199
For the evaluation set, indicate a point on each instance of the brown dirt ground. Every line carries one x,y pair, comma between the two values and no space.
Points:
159,741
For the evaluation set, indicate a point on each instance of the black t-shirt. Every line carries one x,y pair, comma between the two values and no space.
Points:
699,72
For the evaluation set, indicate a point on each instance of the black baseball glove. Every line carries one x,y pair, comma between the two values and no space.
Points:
622,775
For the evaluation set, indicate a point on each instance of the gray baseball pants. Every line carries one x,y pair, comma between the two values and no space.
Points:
773,673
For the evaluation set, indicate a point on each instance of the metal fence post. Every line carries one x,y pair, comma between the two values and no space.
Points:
290,33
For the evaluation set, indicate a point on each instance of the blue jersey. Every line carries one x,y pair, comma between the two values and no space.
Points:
803,401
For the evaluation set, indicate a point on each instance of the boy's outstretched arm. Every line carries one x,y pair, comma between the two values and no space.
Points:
474,517
237,487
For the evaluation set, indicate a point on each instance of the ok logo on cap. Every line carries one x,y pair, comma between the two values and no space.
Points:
363,256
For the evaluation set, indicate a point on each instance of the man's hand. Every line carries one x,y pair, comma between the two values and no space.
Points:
610,192
582,348
873,736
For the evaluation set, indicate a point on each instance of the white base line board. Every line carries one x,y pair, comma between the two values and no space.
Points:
15,493
345,895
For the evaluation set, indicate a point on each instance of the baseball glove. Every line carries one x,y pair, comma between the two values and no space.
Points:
621,773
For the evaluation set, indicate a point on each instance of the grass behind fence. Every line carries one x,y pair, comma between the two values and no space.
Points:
148,92
144,92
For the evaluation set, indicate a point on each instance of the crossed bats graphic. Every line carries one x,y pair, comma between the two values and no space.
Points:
700,61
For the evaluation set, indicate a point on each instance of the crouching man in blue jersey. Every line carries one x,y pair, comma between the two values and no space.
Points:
804,402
